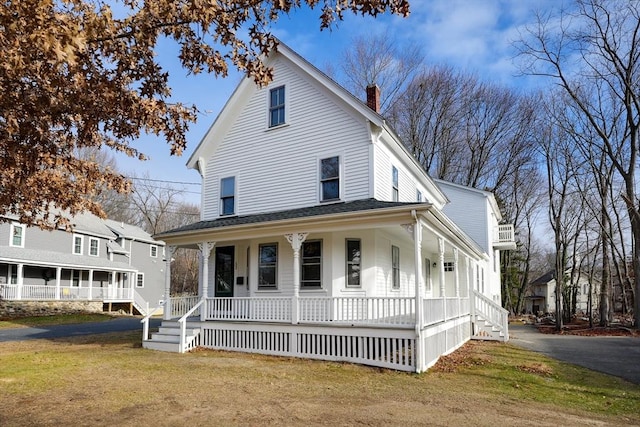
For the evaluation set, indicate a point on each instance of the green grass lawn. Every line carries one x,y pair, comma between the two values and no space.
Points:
109,379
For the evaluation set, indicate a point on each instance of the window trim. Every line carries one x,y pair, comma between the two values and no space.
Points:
351,263
274,107
395,184
151,248
302,263
395,268
419,196
22,227
139,279
322,181
224,197
91,240
268,286
449,266
73,244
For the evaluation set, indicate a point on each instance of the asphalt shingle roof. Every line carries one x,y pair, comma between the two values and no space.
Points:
327,209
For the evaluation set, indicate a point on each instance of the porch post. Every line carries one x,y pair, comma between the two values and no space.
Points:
90,292
166,312
19,279
455,269
441,273
296,240
417,240
205,252
58,278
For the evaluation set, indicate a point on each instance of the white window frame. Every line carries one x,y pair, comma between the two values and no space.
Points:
303,285
91,240
151,248
73,244
224,197
139,280
274,265
14,226
282,106
321,181
419,196
395,269
395,184
449,266
349,263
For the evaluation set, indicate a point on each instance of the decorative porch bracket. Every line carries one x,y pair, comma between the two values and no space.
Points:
296,240
169,251
205,252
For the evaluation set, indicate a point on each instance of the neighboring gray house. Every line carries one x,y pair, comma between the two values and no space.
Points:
541,295
101,260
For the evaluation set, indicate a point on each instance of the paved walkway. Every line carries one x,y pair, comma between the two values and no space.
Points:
619,356
119,324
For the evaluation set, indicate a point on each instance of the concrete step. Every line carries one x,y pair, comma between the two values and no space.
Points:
161,346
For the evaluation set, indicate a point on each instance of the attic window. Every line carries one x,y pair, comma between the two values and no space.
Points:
276,106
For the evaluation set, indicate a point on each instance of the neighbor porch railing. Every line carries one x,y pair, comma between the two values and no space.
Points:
53,293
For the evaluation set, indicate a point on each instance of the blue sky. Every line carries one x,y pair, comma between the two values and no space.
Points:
472,35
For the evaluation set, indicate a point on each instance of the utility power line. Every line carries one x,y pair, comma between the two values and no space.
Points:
162,180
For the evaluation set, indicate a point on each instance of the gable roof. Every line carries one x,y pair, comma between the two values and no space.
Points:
129,231
246,87
486,194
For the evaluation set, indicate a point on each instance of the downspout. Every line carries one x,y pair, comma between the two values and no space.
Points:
417,240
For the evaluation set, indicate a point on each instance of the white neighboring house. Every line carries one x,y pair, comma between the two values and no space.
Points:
101,260
541,294
321,237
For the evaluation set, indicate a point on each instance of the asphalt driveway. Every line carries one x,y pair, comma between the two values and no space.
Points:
619,356
119,324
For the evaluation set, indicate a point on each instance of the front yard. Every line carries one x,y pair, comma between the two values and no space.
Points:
109,379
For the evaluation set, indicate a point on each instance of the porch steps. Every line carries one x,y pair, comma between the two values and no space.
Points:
168,337
486,331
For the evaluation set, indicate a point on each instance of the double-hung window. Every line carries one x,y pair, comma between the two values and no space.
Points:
94,246
395,267
330,179
394,184
140,280
311,277
268,266
276,107
153,251
77,244
17,235
353,263
228,195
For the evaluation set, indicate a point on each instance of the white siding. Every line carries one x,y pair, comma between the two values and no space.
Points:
470,211
277,168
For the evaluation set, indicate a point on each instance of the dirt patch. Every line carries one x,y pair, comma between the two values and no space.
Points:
466,356
536,368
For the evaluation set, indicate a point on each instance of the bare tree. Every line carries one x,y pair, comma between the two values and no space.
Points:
592,52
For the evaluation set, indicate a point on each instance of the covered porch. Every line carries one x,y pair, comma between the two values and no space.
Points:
409,290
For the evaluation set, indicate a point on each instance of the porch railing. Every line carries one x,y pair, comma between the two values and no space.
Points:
504,233
63,293
181,305
396,311
492,312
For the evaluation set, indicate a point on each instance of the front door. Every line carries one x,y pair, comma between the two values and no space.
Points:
225,263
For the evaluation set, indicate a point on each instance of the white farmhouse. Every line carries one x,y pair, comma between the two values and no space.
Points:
322,237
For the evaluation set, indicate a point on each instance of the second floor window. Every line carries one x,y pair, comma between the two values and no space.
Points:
228,195
17,235
268,266
395,193
94,245
153,251
276,106
77,244
330,179
311,271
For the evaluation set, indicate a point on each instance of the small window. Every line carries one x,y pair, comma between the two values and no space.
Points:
94,246
77,244
394,179
276,106
419,196
17,235
227,195
395,267
311,271
449,266
268,266
330,179
353,263
140,280
153,251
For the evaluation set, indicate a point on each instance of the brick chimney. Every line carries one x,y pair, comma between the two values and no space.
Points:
373,97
